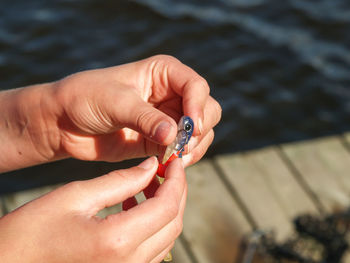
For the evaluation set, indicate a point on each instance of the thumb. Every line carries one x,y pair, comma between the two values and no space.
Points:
113,188
152,123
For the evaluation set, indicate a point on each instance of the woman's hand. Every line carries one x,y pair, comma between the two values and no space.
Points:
131,110
62,227
108,114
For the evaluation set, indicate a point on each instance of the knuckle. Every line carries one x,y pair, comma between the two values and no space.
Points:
145,118
172,210
201,82
217,110
122,176
121,245
116,245
212,135
117,173
165,58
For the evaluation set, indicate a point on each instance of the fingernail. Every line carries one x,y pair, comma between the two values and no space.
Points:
186,160
182,163
162,131
200,125
147,164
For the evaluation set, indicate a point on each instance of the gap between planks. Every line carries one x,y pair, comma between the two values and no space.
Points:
324,165
267,189
213,222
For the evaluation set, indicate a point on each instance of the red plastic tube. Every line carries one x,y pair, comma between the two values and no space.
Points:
162,167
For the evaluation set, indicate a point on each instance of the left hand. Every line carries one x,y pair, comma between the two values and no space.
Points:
62,226
131,110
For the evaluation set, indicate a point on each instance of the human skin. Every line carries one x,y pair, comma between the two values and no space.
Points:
62,226
109,114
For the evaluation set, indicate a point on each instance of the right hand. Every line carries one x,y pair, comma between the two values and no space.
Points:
62,226
131,110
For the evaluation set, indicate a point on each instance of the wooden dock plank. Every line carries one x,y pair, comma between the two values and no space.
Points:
346,137
333,155
180,254
213,222
251,186
281,182
324,164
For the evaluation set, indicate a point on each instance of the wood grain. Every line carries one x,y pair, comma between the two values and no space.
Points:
324,164
283,185
180,254
256,194
213,222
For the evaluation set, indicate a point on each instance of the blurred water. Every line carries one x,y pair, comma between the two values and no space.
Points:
280,69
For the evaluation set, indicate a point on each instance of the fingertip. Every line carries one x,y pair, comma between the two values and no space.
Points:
199,150
175,167
187,159
177,162
165,132
197,115
200,125
149,163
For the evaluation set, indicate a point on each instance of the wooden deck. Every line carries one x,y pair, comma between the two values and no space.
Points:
233,194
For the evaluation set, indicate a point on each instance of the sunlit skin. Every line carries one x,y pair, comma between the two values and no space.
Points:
108,114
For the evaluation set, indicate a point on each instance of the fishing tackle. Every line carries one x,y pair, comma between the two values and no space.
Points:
175,150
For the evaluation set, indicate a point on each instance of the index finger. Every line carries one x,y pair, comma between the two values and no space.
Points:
146,219
187,83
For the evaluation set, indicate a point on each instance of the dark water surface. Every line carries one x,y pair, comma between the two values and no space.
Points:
280,69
